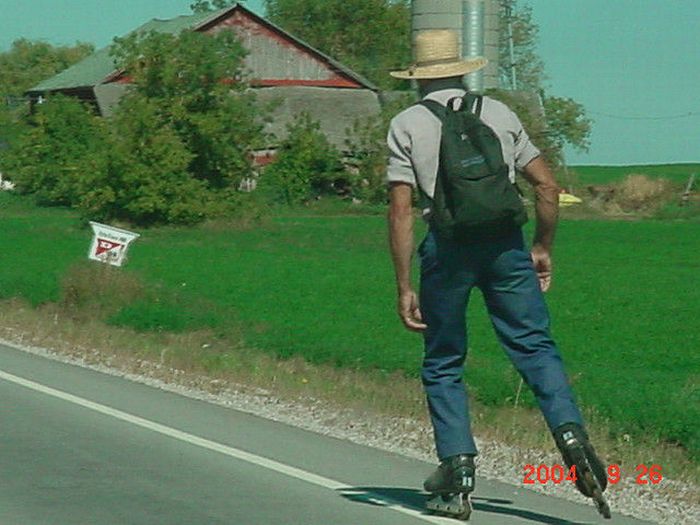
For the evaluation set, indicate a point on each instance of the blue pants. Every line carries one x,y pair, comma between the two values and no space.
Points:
504,272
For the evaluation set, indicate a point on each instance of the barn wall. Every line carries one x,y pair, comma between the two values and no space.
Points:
276,60
334,109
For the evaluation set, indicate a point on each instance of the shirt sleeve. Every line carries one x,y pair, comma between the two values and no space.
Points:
400,166
525,150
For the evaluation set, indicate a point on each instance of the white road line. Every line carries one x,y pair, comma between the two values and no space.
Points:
260,461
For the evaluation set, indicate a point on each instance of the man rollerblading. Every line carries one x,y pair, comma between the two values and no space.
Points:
460,152
450,487
577,451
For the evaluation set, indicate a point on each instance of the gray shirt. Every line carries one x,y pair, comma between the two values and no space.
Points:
415,133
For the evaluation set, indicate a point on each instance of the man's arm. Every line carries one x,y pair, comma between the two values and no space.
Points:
538,174
401,244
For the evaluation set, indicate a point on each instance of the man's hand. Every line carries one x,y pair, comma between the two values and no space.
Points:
401,243
409,311
542,260
540,176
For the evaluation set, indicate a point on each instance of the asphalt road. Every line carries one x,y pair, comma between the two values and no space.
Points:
78,447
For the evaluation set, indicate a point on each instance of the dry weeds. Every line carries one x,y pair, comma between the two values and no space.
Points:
636,194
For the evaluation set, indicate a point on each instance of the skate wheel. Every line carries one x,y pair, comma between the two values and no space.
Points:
456,506
465,515
601,504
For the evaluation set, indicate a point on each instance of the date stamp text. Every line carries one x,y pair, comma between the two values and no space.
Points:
543,474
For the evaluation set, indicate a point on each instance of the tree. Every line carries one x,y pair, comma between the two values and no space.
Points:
25,64
204,6
528,65
11,127
195,83
60,155
148,164
371,37
565,121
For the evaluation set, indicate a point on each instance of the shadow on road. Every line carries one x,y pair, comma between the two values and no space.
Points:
415,499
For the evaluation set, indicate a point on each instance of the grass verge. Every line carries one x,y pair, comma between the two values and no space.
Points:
227,363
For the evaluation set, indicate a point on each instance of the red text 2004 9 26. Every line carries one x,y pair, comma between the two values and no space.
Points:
557,473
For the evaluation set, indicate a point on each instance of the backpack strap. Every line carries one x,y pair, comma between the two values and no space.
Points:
474,102
440,111
471,101
435,108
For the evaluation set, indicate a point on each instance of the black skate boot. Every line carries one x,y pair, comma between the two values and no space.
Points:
591,476
450,485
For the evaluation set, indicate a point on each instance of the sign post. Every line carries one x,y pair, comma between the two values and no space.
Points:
110,244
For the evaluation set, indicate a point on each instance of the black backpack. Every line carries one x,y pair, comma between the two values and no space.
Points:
474,197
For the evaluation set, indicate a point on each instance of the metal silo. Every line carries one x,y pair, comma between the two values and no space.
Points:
477,24
473,39
437,14
492,31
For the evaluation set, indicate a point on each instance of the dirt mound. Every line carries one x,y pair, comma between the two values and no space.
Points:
634,194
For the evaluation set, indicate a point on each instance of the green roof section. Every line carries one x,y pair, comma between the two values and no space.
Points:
94,69
87,73
177,24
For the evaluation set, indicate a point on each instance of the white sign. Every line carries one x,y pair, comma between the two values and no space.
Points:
109,244
6,185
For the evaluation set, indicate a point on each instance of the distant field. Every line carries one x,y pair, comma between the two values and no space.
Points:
678,173
625,302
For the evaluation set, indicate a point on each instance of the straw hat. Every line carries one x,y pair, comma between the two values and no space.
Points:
438,56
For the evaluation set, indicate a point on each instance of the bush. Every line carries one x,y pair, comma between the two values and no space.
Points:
635,194
680,211
81,298
11,129
149,182
307,165
641,193
135,170
124,299
61,155
366,141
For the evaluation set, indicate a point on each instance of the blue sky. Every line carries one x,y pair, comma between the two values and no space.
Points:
634,64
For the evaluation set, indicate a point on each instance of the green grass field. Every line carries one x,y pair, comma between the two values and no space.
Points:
625,302
677,173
